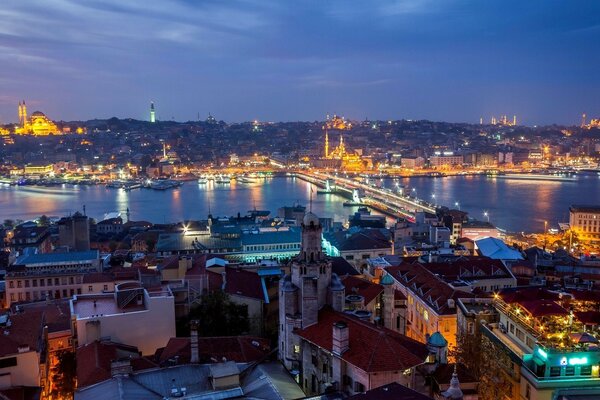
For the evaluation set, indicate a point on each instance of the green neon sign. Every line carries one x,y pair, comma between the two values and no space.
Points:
542,353
578,361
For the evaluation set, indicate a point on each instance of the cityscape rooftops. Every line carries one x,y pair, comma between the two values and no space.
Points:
371,348
585,208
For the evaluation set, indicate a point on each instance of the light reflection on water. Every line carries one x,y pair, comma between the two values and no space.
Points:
512,204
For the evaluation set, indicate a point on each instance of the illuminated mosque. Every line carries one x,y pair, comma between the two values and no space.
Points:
347,160
37,124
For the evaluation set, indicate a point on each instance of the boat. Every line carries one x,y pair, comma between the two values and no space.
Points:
245,179
538,177
164,184
363,218
223,179
202,181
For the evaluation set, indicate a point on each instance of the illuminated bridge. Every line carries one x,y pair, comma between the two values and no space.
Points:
381,199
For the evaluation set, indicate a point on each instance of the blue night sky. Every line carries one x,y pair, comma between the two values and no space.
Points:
283,60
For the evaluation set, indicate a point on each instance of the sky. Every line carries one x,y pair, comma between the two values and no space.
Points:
290,60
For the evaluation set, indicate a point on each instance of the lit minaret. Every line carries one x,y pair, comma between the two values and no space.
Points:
481,121
514,120
326,144
583,118
152,113
20,114
24,113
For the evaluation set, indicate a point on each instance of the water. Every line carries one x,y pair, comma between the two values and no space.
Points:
514,205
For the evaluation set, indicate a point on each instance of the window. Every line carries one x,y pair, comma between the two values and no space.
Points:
105,287
56,282
554,371
8,362
34,282
470,328
296,349
569,371
527,392
324,369
71,280
42,282
586,370
19,284
359,387
27,283
90,288
79,291
12,297
314,360
365,256
350,257
11,284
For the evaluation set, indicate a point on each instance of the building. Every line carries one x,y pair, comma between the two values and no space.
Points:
358,245
327,348
31,237
37,125
549,343
49,276
584,221
110,226
476,230
112,315
74,232
412,162
445,160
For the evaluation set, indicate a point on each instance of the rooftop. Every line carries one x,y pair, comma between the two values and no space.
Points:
89,306
58,258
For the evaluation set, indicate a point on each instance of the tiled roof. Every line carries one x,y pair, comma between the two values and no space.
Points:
94,361
391,391
365,239
585,208
342,267
424,284
244,283
284,236
469,268
25,330
362,287
243,349
372,348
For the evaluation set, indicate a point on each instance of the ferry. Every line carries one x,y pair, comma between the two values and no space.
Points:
246,179
202,180
538,177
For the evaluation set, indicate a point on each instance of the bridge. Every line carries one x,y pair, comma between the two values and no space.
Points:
361,193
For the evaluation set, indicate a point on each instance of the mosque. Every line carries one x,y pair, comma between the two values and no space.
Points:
37,124
349,161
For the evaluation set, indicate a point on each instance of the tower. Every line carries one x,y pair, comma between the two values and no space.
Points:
20,114
583,118
326,144
152,113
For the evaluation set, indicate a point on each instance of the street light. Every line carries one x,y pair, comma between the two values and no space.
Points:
457,205
485,214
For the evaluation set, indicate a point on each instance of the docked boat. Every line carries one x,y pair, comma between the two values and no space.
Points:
223,179
245,179
202,180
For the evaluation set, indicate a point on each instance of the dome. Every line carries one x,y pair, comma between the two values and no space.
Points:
38,114
387,280
437,340
309,218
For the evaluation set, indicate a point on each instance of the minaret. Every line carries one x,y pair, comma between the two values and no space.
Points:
481,121
326,144
583,118
514,120
152,113
24,113
20,114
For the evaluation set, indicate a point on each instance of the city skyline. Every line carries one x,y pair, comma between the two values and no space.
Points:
260,60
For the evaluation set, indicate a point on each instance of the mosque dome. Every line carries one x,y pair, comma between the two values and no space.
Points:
309,218
437,340
38,114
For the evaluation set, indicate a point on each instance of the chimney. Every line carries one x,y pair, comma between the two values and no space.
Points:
194,356
341,337
121,367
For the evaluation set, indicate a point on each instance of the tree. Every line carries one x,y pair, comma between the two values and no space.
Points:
9,223
496,365
65,375
218,316
44,221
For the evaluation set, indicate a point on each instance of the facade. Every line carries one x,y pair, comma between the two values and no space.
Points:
412,162
585,222
49,276
358,245
113,315
550,342
31,236
445,161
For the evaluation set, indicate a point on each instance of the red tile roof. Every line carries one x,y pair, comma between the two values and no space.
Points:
428,287
94,361
372,348
243,283
25,330
362,287
242,349
468,268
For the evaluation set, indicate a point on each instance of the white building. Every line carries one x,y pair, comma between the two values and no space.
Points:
131,315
